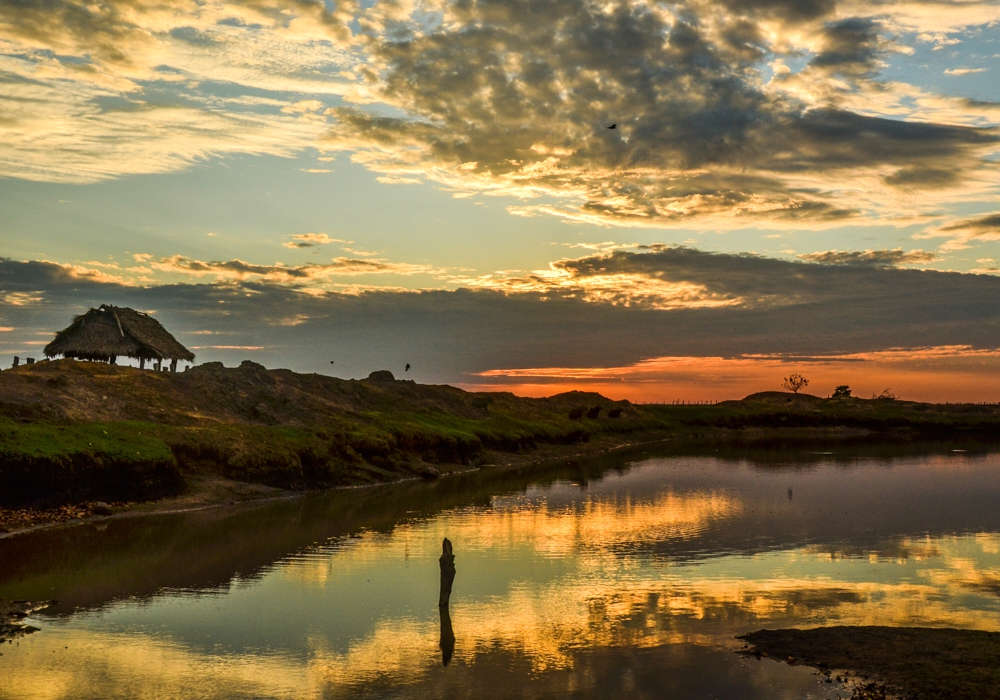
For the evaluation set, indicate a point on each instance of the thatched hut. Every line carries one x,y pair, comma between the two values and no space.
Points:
104,334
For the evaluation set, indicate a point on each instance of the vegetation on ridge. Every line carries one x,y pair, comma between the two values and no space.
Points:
73,431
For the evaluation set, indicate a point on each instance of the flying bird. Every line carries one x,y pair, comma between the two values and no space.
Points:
613,126
331,362
407,367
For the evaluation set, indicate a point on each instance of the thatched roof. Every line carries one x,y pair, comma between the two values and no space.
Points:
116,331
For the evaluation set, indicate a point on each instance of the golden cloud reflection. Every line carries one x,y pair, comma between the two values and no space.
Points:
587,532
547,580
82,663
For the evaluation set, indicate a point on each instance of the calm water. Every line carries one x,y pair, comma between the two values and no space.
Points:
607,580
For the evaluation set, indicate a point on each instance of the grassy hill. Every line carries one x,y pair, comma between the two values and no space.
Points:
75,431
780,410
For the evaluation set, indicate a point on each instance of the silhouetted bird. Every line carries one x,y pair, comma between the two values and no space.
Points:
407,367
331,362
613,126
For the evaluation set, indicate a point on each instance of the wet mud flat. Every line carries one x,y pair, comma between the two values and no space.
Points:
910,663
12,614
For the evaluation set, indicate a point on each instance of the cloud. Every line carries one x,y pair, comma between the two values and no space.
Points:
515,102
308,240
510,99
771,307
850,46
59,132
931,373
982,228
886,258
963,71
94,91
984,225
279,273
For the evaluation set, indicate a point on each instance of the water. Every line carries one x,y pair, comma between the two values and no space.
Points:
621,579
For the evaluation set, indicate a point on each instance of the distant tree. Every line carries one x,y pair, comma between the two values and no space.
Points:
795,382
842,391
886,395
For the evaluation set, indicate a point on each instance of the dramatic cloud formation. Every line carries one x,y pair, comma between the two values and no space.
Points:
737,117
512,97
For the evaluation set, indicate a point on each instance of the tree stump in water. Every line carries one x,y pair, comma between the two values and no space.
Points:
447,642
447,562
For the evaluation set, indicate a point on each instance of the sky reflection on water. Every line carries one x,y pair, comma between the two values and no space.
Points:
630,584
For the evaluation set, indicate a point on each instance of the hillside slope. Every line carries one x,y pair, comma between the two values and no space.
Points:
75,430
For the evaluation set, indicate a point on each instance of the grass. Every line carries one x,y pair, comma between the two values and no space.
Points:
113,440
77,430
788,411
51,463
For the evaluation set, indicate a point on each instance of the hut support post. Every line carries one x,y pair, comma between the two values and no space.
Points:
142,363
17,360
156,366
113,360
173,365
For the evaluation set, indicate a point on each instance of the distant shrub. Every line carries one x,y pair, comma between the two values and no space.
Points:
886,395
576,413
842,391
594,412
614,413
482,402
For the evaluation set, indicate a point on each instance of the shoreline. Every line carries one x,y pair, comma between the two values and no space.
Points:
216,492
207,491
883,663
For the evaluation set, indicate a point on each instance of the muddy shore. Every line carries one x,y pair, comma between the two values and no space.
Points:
12,614
208,491
909,663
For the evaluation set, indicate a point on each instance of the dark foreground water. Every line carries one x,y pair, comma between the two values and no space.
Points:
601,580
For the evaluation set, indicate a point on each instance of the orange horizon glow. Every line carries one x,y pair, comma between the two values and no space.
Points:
942,374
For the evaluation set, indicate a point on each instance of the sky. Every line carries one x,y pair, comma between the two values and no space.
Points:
791,186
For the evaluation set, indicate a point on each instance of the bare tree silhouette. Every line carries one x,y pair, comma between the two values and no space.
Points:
795,382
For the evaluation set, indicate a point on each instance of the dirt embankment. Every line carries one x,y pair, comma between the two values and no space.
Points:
72,433
892,662
75,432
